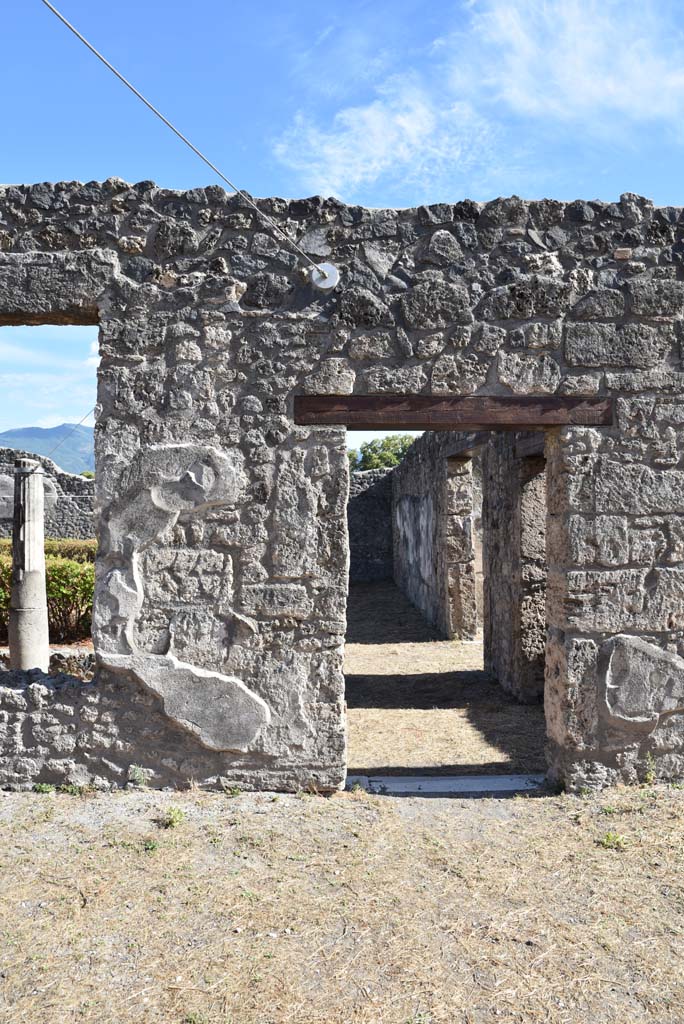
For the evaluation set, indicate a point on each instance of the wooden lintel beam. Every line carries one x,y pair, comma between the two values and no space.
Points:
467,445
439,412
529,445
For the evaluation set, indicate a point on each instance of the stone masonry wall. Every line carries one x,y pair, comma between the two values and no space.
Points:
223,550
369,521
69,498
433,518
514,531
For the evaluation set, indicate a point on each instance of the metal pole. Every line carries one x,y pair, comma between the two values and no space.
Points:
28,619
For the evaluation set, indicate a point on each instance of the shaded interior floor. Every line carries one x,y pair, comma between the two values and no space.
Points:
417,703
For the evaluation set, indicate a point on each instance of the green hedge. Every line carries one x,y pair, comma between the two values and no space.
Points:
70,587
76,550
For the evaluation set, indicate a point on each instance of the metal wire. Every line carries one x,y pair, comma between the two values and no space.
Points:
183,138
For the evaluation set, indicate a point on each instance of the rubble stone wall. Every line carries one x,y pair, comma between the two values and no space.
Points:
434,535
369,520
69,499
514,546
223,550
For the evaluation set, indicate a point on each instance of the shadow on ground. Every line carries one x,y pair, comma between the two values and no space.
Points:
378,613
418,704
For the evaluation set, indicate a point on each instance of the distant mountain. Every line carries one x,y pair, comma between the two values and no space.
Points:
74,454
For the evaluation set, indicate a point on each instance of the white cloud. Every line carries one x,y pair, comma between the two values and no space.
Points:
567,59
503,76
402,136
94,357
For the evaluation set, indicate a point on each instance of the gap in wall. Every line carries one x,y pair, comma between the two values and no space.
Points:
48,380
419,704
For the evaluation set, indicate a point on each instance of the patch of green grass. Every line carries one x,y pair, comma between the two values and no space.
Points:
71,789
44,787
150,845
172,817
612,841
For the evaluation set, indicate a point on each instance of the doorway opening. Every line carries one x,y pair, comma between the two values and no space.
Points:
444,656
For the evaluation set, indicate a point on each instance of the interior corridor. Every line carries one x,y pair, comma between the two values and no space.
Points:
421,705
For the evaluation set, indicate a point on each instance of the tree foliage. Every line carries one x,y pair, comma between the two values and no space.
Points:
381,452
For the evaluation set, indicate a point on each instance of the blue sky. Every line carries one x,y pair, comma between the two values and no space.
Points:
381,102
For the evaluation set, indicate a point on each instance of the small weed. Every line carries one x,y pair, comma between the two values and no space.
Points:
612,841
171,818
43,787
150,845
254,842
137,776
232,790
71,789
195,1018
609,809
251,896
213,837
650,772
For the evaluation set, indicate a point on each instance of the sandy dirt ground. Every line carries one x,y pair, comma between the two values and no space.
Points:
198,908
418,704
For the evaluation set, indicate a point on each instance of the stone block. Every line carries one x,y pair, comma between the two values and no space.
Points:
458,539
371,346
289,600
600,540
603,345
528,297
459,375
655,297
602,304
436,303
463,601
529,374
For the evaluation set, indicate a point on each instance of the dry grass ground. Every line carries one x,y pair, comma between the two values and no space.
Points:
417,702
263,909
199,908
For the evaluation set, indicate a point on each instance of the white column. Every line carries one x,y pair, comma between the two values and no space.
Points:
28,619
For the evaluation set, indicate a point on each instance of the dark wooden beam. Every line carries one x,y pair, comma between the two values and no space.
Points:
439,412
466,445
529,446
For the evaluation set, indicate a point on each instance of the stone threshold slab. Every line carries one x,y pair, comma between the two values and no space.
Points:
446,785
